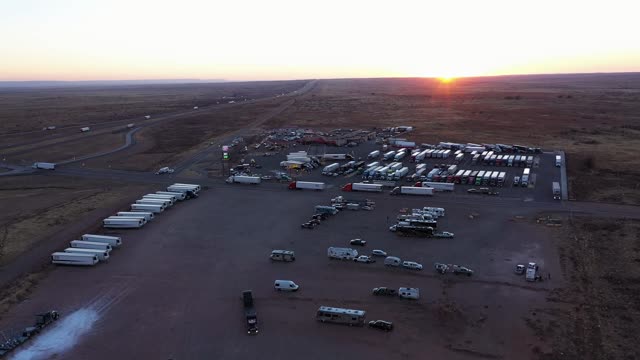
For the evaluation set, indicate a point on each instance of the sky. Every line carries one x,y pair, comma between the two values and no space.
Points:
282,39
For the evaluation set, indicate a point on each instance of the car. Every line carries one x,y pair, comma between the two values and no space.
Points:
358,242
474,191
444,234
516,180
461,270
393,228
308,225
384,291
411,265
377,252
266,177
364,259
381,324
520,269
441,268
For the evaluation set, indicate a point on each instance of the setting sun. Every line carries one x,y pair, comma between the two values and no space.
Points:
446,80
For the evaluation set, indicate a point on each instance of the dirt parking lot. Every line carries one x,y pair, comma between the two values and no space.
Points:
173,289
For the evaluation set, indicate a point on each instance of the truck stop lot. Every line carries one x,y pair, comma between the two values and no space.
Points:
174,289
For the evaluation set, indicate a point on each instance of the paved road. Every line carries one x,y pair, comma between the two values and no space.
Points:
129,141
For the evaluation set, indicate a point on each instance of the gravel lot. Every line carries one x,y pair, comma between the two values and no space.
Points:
173,290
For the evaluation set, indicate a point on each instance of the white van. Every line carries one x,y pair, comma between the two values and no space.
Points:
285,285
283,255
409,293
392,261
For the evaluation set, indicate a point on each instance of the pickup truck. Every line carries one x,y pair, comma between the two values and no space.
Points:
250,312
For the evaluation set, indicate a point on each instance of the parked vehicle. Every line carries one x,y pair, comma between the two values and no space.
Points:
114,241
532,271
444,234
520,269
461,270
412,190
362,187
285,285
437,186
283,255
383,291
241,179
411,265
341,253
44,165
323,209
374,154
178,195
409,293
85,129
558,160
377,252
516,180
154,208
299,185
381,324
337,157
65,258
341,316
172,200
90,245
330,168
389,155
154,201
364,259
358,242
250,313
102,255
123,222
392,261
165,170
308,225
556,191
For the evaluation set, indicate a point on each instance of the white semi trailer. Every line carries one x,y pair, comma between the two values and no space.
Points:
241,179
90,245
193,186
168,198
179,195
145,215
101,254
412,190
114,241
154,208
362,187
64,258
300,185
437,186
123,222
165,203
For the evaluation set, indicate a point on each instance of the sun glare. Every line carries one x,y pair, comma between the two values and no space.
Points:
446,80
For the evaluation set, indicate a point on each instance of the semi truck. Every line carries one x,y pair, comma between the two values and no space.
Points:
558,160
400,155
436,185
250,313
341,253
44,165
401,173
404,229
389,155
412,190
524,180
374,154
362,187
241,179
556,190
299,185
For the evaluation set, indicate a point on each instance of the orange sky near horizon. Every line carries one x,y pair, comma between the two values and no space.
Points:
257,40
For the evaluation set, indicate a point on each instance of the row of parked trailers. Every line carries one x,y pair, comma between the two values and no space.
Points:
91,249
489,158
469,177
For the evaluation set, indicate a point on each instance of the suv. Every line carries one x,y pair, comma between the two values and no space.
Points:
359,242
385,291
378,253
381,324
461,270
411,265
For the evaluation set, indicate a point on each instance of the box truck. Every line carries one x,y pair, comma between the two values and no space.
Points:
556,191
362,187
412,190
241,179
299,185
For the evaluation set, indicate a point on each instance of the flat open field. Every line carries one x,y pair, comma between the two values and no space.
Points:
32,109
